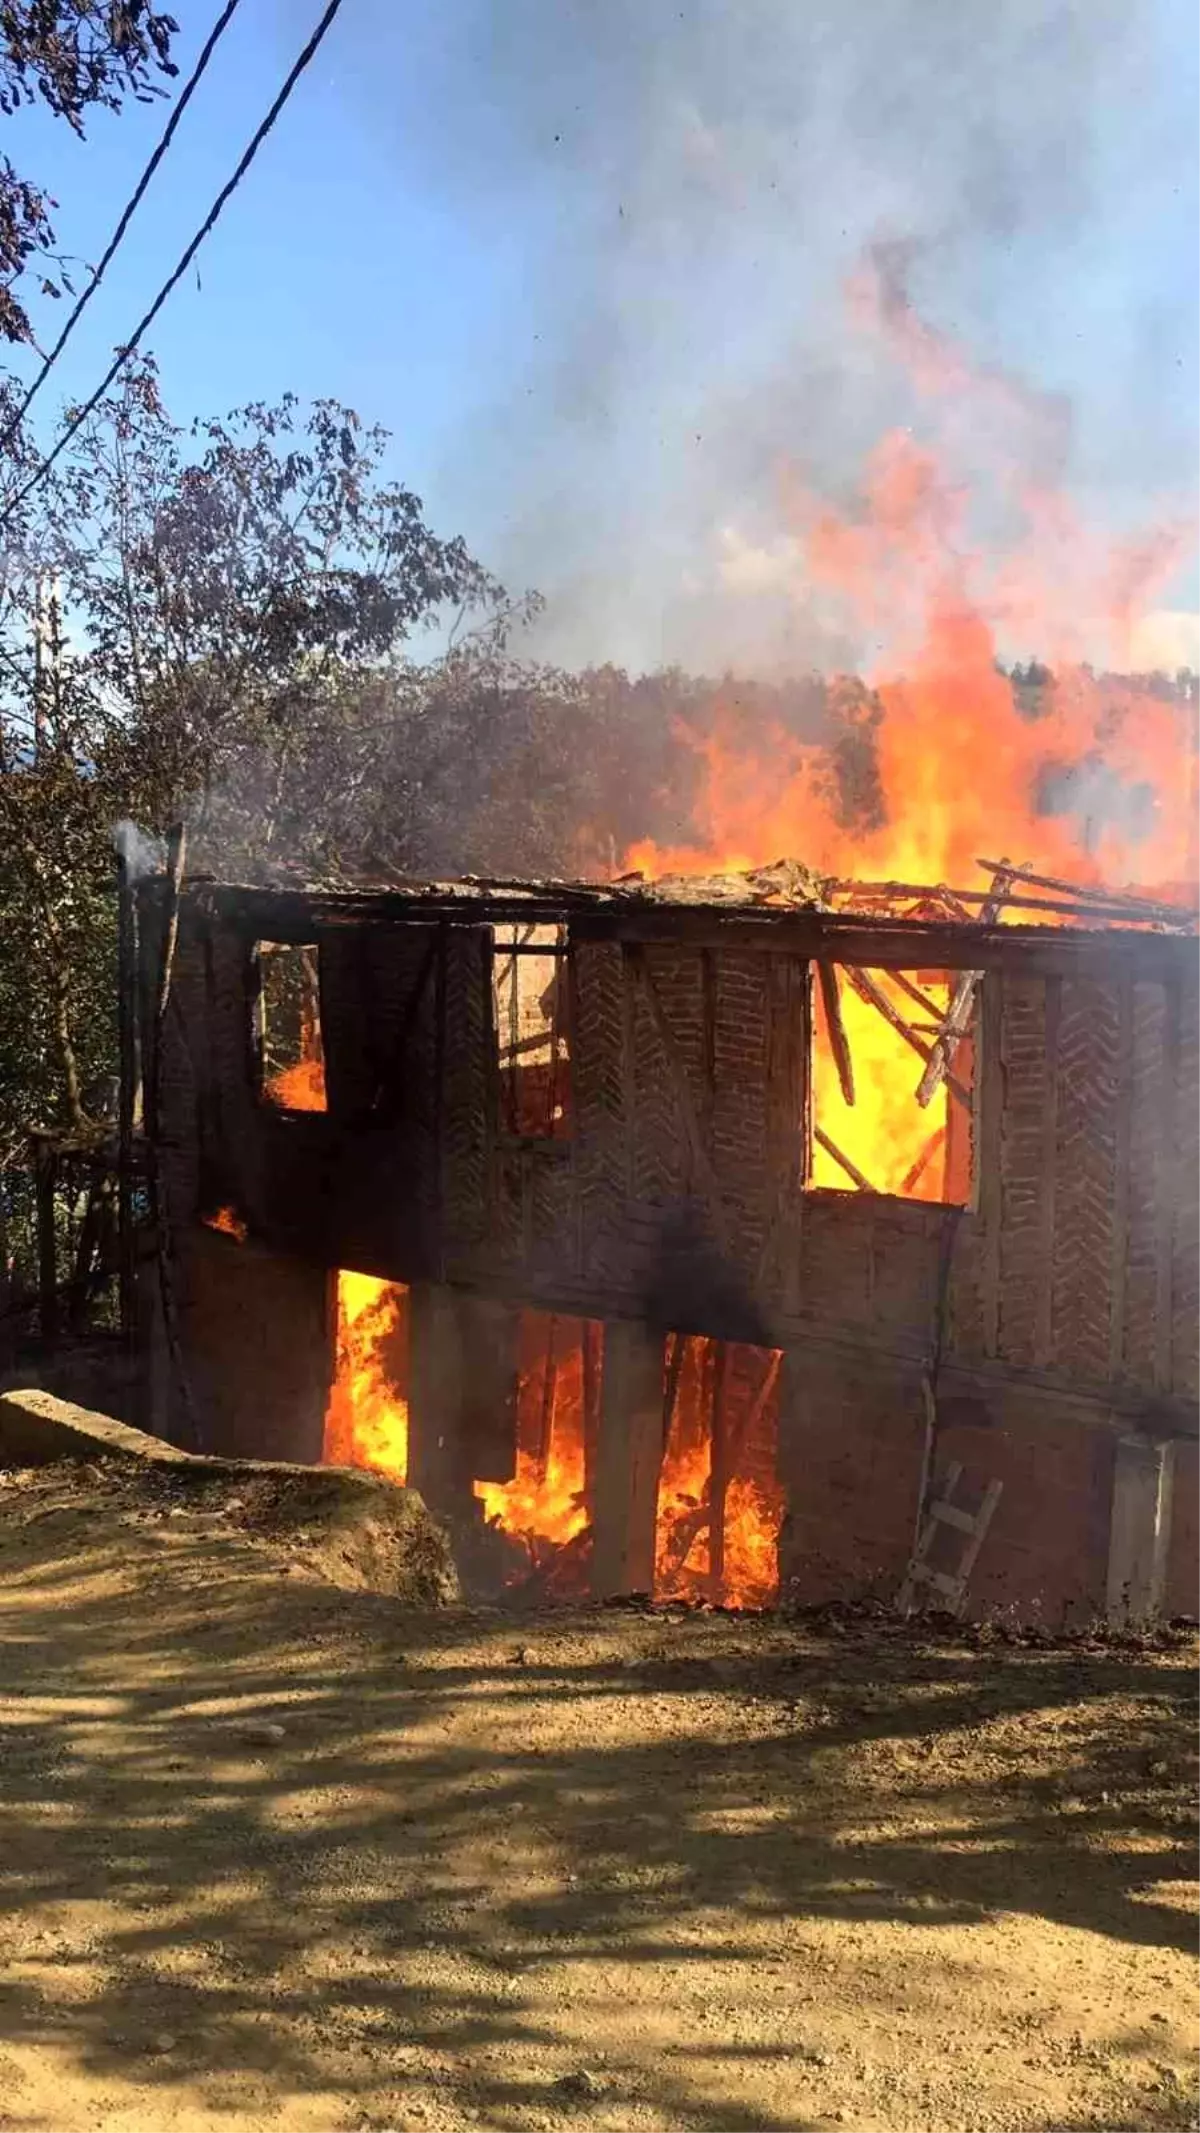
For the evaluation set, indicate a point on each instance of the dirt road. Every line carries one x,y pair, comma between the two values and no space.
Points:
280,1856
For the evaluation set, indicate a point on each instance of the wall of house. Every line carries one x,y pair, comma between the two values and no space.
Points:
1182,1591
256,1331
677,1198
852,1442
1079,1260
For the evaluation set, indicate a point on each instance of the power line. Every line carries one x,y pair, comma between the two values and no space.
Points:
214,38
123,354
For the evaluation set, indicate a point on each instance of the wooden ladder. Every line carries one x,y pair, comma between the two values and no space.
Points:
951,1586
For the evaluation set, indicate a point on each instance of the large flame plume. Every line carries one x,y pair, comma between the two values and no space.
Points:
1092,778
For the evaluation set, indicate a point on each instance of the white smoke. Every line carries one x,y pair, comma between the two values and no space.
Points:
143,854
651,213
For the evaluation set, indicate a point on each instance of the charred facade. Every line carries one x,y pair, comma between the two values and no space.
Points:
592,1112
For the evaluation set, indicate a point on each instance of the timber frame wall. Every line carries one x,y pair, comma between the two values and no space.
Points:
1068,1291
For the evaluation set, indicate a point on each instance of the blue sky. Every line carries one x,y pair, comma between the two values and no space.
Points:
586,262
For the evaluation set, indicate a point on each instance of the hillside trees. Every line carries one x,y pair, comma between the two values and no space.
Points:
190,623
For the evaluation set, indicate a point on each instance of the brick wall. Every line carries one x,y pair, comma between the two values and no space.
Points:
1182,1593
850,1453
257,1336
1045,1558
850,1448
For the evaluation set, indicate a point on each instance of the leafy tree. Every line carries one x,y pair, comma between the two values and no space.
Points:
70,55
223,581
184,619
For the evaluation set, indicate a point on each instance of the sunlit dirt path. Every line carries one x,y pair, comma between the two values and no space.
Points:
618,1870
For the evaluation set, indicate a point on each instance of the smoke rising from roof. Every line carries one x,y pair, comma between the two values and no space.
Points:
674,201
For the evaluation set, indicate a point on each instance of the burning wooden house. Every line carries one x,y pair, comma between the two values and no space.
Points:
703,1238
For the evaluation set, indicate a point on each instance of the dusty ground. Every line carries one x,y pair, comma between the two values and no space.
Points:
605,1871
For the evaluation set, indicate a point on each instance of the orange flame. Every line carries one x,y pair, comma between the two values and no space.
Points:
366,1420
545,1505
302,1087
229,1222
545,1500
962,763
298,1088
753,1510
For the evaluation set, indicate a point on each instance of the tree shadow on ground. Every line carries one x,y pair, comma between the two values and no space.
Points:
422,1888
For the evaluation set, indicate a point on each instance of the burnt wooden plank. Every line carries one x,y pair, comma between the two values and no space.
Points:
597,914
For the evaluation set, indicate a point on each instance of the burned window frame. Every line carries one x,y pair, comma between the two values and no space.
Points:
822,971
262,951
512,943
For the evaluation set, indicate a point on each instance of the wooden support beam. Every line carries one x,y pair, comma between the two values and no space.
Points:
436,1465
962,999
915,993
831,1001
126,1099
851,1169
1117,899
868,988
549,1389
1140,1530
488,1337
592,1337
628,1458
676,1350
917,1169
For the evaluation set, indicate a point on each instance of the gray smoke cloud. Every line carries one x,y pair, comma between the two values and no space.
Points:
672,198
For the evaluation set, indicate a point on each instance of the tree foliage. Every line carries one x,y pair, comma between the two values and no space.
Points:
183,622
70,55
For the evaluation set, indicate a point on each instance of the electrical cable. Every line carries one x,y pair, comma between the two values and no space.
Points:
214,38
123,354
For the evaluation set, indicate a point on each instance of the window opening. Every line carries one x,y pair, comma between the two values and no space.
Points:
291,1052
720,1502
893,1072
529,1008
